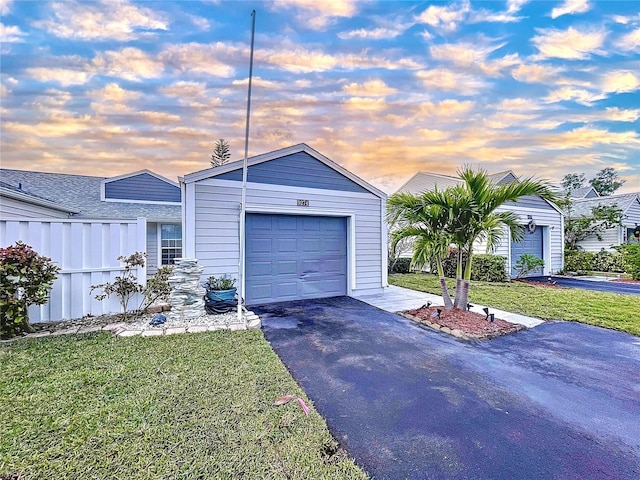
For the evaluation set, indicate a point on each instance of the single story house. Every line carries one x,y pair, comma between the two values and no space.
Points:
313,229
629,203
84,223
543,222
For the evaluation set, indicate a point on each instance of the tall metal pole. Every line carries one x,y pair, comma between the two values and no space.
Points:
243,206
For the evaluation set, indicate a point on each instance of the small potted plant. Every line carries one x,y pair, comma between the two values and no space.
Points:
220,288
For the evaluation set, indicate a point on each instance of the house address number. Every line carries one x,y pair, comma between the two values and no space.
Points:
303,203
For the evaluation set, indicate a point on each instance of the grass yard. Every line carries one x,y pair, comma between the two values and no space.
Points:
609,310
181,406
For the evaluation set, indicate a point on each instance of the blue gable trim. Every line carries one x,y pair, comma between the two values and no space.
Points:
296,170
142,188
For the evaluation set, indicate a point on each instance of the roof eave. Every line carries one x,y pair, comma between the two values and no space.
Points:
25,197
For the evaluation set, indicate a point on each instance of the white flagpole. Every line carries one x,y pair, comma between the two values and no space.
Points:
243,207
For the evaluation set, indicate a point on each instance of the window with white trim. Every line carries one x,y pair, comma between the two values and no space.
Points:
170,243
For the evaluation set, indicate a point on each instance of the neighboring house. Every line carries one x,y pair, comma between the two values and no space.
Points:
543,222
313,229
84,223
144,194
629,203
584,192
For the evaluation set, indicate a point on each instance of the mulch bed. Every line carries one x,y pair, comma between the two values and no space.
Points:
462,324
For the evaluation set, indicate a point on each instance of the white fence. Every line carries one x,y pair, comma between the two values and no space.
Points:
86,251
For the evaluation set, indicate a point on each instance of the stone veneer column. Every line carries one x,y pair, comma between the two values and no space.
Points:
186,296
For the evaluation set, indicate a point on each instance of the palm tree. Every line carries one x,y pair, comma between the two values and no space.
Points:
463,216
411,217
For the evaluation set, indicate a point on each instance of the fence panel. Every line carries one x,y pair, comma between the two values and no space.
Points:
86,250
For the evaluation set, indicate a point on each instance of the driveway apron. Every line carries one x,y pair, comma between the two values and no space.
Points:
561,401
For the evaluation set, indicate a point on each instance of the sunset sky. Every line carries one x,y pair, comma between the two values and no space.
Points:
387,88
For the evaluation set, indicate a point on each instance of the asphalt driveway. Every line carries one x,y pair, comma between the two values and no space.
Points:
598,285
560,401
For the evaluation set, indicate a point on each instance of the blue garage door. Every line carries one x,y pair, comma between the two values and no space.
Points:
531,243
292,257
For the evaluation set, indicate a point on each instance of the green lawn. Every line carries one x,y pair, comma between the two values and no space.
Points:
182,406
610,310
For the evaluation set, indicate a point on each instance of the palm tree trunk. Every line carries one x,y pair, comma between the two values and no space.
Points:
463,299
456,303
448,304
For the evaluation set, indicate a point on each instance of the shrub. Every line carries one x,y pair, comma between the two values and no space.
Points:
157,287
400,265
124,286
488,268
576,261
604,261
631,254
526,264
25,279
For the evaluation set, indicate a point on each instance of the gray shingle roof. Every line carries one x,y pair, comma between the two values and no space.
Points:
583,206
580,193
82,193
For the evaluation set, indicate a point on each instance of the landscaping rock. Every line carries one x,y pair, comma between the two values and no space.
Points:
187,296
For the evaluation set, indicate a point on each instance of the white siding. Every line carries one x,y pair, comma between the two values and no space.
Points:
632,215
12,208
86,251
615,235
610,238
551,221
212,224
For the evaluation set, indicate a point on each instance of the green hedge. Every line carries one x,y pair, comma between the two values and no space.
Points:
400,265
575,261
603,261
488,268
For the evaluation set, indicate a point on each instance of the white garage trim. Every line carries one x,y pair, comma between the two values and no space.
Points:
351,232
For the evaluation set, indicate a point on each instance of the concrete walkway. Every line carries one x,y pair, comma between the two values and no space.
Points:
395,299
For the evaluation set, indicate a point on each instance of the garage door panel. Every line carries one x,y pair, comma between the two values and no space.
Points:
261,291
334,266
322,287
311,224
311,245
333,246
286,267
308,258
309,266
284,223
262,223
260,246
286,289
287,245
263,268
